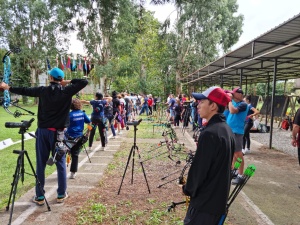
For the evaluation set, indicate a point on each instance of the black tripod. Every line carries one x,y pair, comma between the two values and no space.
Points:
132,152
20,171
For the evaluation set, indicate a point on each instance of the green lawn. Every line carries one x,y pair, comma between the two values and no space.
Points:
8,160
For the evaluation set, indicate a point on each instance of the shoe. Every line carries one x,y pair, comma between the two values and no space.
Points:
237,180
120,132
246,151
90,148
61,198
113,137
73,175
39,200
102,148
234,174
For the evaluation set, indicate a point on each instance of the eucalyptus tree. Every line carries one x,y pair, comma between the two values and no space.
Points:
38,27
203,28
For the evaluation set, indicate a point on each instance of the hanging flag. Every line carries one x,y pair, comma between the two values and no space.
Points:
61,63
79,64
64,62
69,63
85,72
48,64
73,66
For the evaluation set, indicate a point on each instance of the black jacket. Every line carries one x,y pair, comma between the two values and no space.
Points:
208,181
54,102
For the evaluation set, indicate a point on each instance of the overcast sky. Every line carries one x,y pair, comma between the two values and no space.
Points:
260,16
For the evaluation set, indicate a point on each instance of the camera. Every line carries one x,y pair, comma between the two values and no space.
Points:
23,124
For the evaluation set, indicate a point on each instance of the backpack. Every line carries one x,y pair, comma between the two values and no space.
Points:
285,124
138,101
108,110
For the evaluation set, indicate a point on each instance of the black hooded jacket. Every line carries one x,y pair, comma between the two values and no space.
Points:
208,181
54,102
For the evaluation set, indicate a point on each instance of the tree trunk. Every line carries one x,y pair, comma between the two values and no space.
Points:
178,84
103,84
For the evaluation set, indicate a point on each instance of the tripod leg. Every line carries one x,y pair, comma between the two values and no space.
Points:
14,186
132,169
87,153
37,180
143,169
125,169
15,181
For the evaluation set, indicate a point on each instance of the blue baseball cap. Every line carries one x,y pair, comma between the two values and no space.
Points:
57,73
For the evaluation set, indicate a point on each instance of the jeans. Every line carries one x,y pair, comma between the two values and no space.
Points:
45,143
144,107
111,123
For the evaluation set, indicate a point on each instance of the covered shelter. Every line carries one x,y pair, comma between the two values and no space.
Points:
273,56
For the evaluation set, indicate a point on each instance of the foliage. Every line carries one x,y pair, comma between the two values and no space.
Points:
38,28
8,160
203,29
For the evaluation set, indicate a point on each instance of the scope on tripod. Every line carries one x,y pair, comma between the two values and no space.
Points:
135,123
24,124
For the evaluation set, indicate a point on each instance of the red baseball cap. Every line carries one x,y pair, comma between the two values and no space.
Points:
215,94
237,90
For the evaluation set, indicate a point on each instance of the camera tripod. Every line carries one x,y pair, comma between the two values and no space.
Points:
132,153
20,170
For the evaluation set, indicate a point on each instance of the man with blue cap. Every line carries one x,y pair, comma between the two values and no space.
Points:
53,117
208,181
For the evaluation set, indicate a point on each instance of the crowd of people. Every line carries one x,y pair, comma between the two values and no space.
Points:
225,118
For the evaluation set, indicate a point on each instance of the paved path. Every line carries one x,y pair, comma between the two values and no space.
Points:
88,177
271,197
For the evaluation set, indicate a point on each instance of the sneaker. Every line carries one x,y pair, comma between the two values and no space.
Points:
237,180
61,198
90,148
73,175
39,200
246,151
102,148
120,132
234,174
113,137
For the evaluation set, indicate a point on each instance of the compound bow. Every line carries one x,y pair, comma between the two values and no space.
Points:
6,79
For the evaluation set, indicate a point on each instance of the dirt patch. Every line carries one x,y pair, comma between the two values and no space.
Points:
134,204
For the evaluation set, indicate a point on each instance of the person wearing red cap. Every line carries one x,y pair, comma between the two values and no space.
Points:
208,181
238,110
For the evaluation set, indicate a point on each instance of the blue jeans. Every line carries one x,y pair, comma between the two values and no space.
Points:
144,107
111,122
45,143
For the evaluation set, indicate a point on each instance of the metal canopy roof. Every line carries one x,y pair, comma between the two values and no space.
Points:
255,60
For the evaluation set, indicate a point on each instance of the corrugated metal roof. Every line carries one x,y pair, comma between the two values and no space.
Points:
255,60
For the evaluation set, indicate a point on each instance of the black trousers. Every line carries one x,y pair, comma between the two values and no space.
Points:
74,155
74,151
246,137
194,217
97,123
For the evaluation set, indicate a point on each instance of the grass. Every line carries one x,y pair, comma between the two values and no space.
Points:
147,209
8,160
132,206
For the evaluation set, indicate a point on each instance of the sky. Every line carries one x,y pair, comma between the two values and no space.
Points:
260,16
